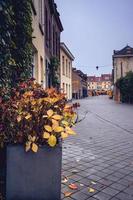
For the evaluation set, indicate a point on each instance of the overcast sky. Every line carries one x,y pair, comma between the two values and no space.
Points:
93,29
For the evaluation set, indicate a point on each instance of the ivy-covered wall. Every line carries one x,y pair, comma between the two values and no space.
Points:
125,84
15,41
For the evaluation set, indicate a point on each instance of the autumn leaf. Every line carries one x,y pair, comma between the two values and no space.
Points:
48,128
55,122
70,131
58,129
91,190
57,117
27,146
50,113
34,147
64,135
67,194
28,116
73,186
19,118
46,135
65,180
31,139
52,141
65,123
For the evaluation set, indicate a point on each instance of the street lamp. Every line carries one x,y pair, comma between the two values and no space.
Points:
97,67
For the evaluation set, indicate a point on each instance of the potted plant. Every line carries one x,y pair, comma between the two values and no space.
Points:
33,123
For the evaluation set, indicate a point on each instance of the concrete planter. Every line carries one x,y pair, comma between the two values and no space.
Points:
31,176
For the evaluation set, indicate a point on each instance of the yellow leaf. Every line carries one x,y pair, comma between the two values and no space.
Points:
52,141
57,117
46,135
70,131
55,123
50,113
67,194
65,123
19,118
33,102
48,128
28,116
31,139
34,147
91,190
28,146
64,135
58,129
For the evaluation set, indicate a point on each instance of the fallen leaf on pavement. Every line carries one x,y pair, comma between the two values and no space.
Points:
67,194
93,182
91,190
75,171
64,180
73,186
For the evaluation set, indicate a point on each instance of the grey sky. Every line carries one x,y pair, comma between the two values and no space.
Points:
94,28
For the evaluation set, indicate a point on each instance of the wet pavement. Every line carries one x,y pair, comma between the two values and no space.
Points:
98,162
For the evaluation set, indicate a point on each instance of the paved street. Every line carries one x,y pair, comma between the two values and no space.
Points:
99,160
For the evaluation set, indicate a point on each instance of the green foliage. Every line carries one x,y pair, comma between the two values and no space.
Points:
125,84
54,71
15,41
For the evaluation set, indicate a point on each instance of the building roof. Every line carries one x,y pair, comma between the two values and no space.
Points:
66,50
54,10
103,77
91,78
126,51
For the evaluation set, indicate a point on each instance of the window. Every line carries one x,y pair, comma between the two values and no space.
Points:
121,70
66,68
69,70
63,86
49,34
42,71
63,66
46,26
67,90
33,7
41,16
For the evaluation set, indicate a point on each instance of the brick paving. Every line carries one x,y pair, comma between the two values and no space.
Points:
99,160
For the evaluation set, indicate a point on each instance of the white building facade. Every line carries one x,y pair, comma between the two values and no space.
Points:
66,59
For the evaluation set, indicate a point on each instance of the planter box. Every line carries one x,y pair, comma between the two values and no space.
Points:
30,176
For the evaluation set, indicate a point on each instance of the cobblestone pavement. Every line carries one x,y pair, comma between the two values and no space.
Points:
99,160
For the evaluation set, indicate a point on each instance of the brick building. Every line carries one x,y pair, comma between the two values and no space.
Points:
79,84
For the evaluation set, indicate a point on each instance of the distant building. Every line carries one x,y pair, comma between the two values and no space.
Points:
79,84
103,82
122,63
66,59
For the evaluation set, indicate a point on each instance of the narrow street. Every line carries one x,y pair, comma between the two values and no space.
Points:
99,159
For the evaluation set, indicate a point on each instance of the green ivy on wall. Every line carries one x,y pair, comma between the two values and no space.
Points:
125,85
15,41
54,72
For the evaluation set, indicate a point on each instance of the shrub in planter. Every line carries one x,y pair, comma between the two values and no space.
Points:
33,120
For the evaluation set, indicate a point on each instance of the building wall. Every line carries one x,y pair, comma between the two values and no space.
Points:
38,42
77,92
66,74
53,29
122,66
